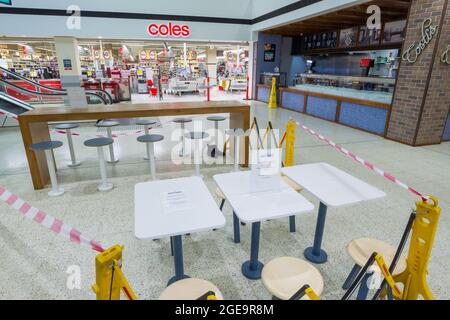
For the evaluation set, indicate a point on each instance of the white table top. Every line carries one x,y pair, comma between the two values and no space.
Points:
330,185
253,203
154,218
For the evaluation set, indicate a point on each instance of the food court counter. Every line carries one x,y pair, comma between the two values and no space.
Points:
361,109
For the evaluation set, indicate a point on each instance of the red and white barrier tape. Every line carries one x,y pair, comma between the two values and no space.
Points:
46,220
365,163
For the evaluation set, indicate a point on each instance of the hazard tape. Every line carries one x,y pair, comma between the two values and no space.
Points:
365,163
46,220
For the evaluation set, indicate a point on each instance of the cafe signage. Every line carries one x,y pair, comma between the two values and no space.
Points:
445,55
415,50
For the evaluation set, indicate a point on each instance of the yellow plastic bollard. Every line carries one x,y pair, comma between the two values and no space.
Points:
414,278
109,276
289,160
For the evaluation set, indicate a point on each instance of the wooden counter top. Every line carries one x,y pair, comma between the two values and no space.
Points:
34,123
132,110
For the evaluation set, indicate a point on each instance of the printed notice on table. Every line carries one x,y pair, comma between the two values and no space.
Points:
175,201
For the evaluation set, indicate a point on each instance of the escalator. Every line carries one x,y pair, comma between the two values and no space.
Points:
13,106
48,92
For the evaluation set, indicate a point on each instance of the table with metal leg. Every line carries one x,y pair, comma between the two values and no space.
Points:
316,253
178,260
253,267
334,188
254,202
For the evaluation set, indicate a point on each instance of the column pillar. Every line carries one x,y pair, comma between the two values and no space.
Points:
421,98
70,70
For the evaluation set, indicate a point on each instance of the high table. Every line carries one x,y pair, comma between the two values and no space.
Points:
34,124
254,202
333,187
172,208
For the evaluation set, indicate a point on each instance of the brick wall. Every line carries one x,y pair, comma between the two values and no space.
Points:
437,103
413,78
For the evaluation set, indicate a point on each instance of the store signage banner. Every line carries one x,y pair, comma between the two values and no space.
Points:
168,30
415,50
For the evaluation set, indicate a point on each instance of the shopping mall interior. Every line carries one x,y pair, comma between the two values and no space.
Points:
269,150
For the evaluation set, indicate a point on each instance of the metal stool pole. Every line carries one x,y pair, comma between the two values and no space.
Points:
146,131
72,152
236,153
104,186
197,157
182,140
151,157
56,191
216,138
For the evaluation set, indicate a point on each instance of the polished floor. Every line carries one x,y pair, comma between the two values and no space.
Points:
34,262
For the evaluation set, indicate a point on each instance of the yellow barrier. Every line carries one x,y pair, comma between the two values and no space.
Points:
273,94
414,278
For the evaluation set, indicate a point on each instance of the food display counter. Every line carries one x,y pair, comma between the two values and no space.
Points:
365,110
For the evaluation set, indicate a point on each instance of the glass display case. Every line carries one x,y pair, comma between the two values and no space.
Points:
381,84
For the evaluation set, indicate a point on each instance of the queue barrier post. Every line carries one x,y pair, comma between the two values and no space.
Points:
273,94
414,278
110,279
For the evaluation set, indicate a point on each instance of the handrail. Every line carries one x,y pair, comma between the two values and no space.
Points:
35,83
14,100
58,91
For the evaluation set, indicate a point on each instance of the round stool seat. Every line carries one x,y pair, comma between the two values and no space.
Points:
98,142
182,120
150,138
107,123
189,289
284,276
146,122
216,118
361,249
46,145
196,135
65,126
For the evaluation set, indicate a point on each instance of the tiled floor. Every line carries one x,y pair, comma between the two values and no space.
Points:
33,262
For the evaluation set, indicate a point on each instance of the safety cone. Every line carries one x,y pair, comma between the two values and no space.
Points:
273,94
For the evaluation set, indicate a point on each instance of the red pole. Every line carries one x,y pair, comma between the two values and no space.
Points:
246,89
208,93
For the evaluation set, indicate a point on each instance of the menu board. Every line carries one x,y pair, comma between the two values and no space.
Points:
369,37
269,52
320,40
